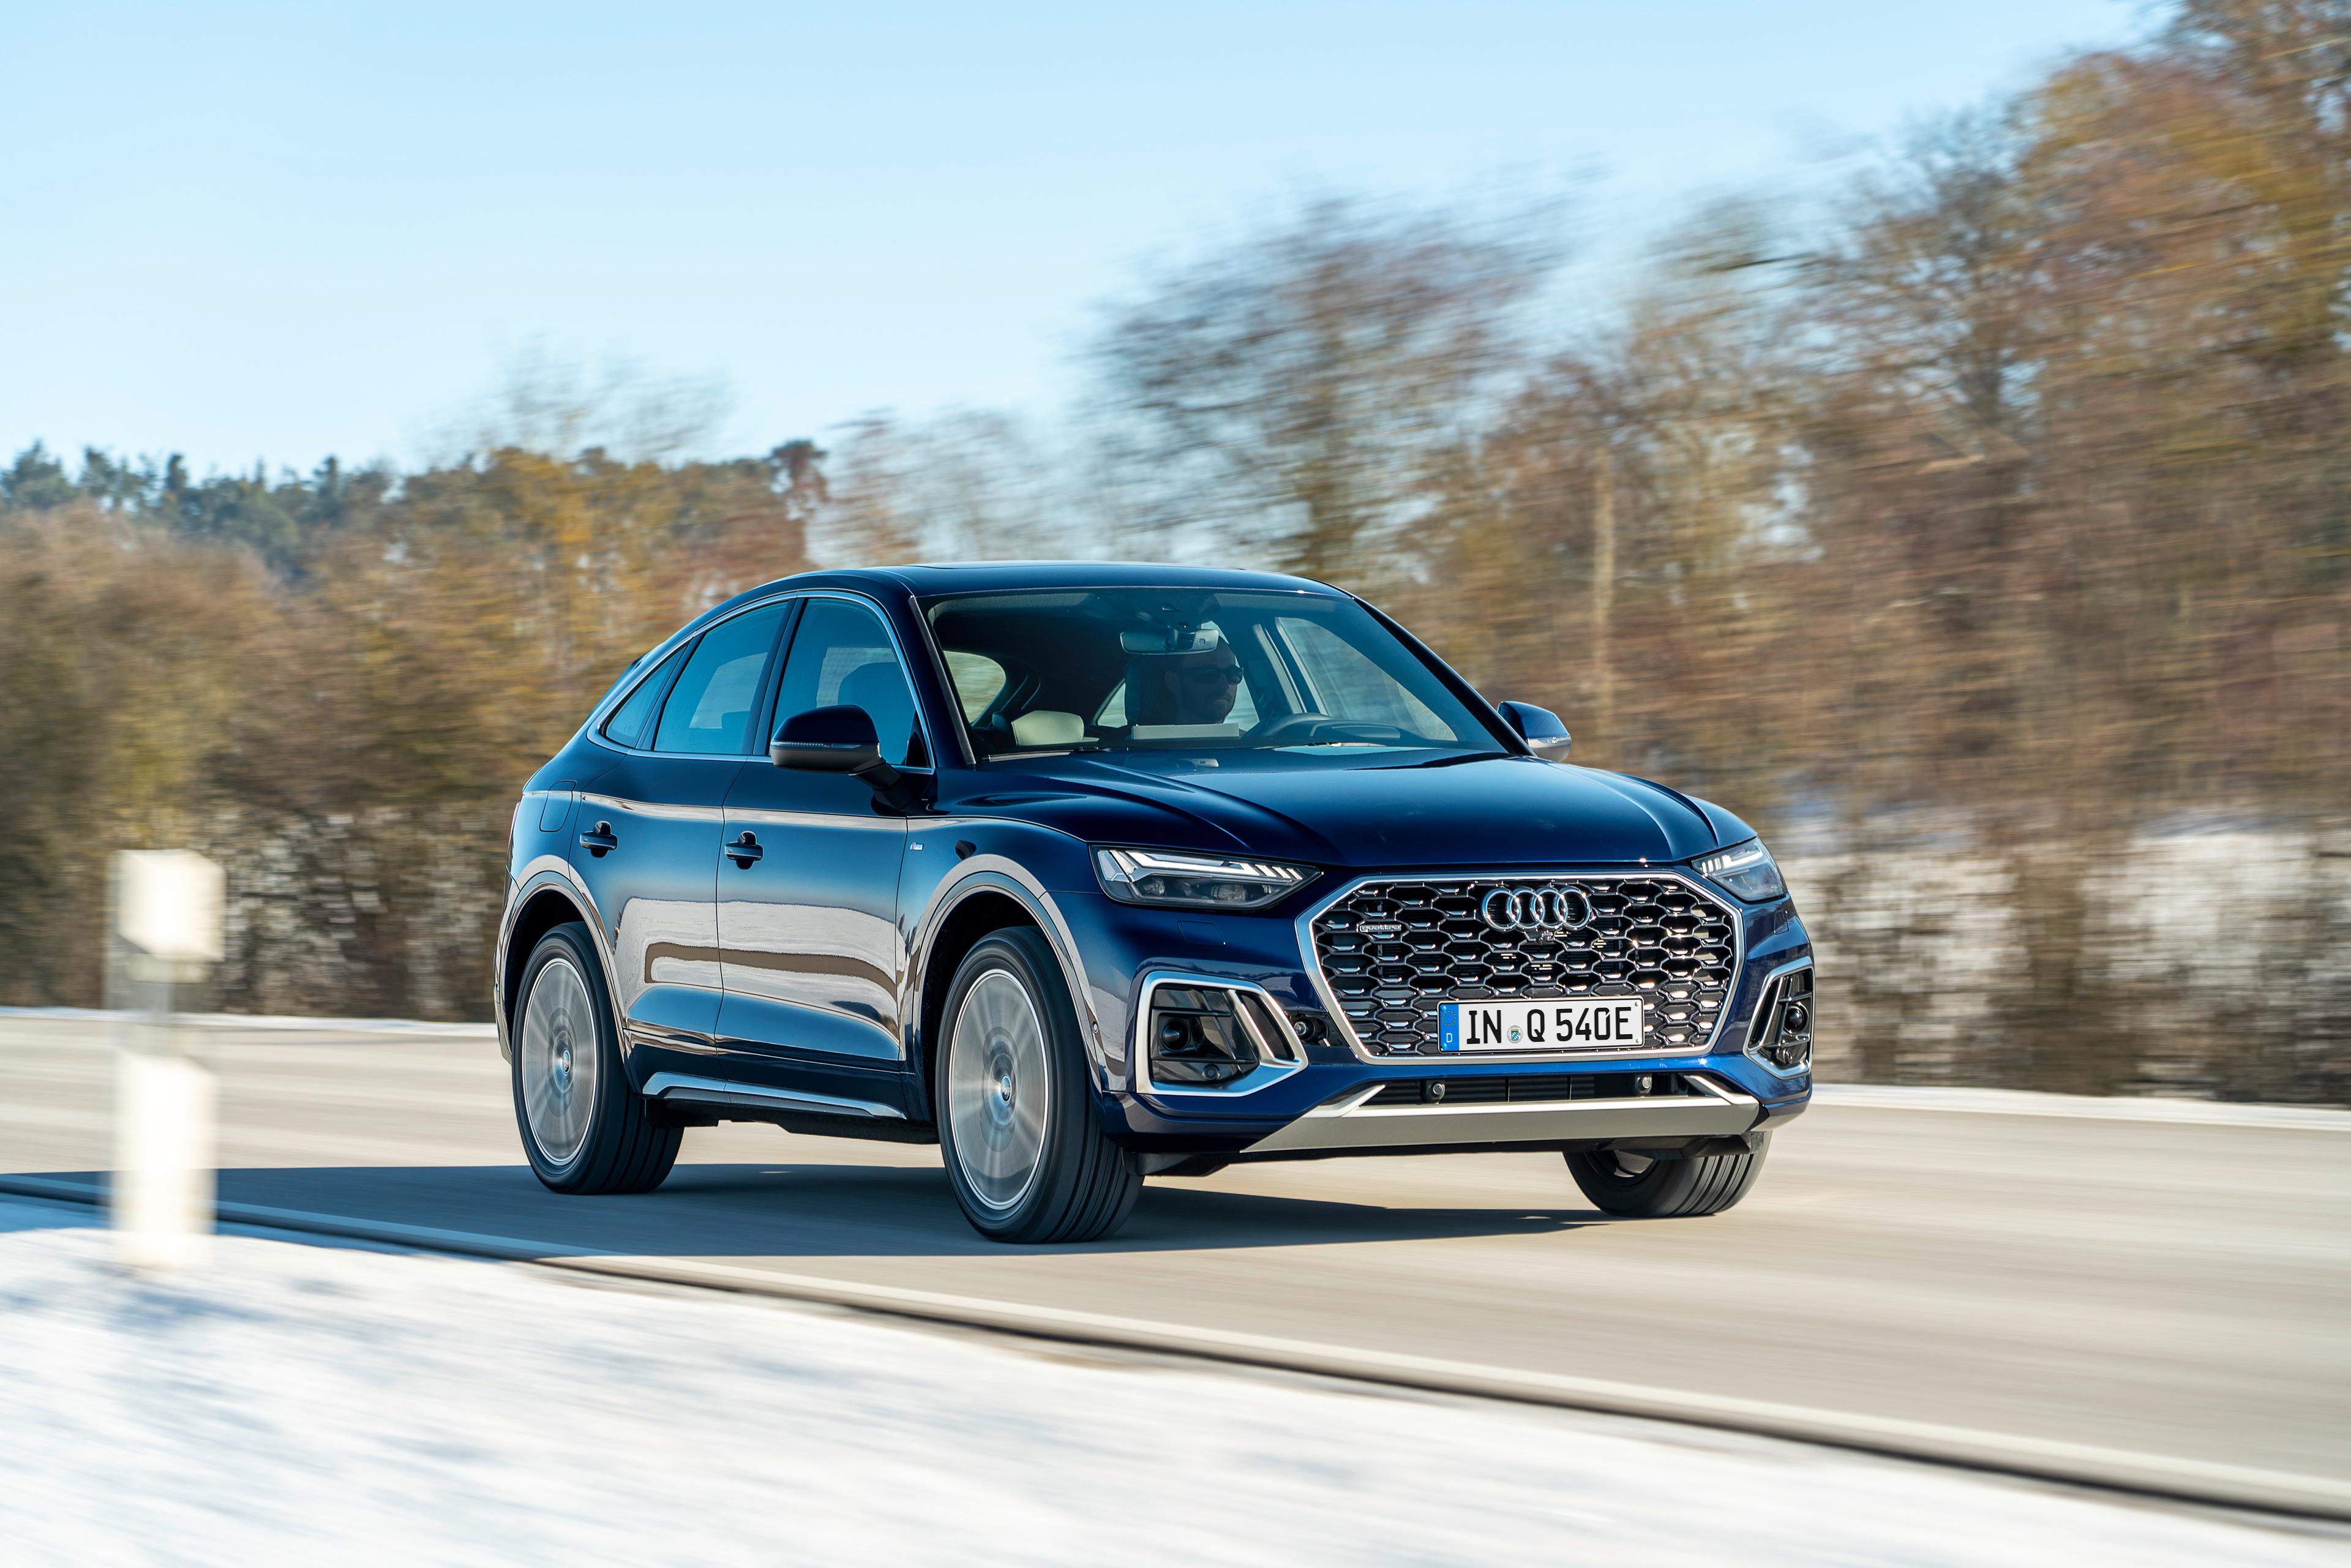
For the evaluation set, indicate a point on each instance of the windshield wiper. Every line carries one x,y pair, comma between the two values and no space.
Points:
1446,761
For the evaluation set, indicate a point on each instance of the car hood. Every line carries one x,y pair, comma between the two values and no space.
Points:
1498,810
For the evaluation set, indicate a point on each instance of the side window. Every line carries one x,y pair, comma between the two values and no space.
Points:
841,653
710,707
635,714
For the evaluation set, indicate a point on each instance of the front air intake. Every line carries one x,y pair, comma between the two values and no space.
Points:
1201,1034
1197,1037
1781,1035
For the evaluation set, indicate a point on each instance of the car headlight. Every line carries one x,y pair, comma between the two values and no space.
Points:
1195,882
1746,870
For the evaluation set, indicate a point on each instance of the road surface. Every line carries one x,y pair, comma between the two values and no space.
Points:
2173,1288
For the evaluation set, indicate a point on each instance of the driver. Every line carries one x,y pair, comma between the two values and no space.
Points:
1196,688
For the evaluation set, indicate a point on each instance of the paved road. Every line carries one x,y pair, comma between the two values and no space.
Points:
2178,1289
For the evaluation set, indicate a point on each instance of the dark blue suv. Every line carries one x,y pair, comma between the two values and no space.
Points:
1092,872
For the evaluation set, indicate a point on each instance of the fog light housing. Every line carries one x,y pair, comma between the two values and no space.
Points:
1197,1035
1780,1038
1196,1038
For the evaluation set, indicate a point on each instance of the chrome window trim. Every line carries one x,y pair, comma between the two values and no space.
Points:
1748,1049
1264,1076
1329,998
624,688
622,691
652,661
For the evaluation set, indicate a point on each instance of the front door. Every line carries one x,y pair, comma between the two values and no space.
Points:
814,962
647,830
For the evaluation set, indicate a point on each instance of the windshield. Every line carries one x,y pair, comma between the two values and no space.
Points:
1193,671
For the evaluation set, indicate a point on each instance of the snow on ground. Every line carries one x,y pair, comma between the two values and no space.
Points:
315,1403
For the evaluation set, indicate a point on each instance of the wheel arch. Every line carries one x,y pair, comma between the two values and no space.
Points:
992,892
541,910
972,918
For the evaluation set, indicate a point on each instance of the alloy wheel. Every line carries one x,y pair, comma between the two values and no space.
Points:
559,1060
998,1089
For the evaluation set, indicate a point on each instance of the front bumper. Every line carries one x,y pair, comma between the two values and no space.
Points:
1331,1101
1358,1122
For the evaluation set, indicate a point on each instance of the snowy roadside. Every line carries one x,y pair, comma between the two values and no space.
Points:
299,1403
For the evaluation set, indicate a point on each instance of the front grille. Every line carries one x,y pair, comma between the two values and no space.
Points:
1522,1088
1391,951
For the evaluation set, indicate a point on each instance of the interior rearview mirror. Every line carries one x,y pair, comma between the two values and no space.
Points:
1539,727
1175,640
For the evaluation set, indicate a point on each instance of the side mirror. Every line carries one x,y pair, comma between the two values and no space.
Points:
833,741
1539,727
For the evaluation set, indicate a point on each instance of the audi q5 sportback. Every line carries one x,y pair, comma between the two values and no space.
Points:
1092,873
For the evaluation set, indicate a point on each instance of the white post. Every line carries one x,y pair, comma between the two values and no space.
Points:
168,931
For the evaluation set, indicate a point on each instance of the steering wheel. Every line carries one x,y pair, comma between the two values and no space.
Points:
1295,727
1299,724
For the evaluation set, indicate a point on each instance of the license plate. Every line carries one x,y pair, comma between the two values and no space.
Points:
1604,1023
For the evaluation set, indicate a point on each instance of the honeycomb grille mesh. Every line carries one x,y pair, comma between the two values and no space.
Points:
1392,951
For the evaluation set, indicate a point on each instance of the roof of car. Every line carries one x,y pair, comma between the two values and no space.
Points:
993,576
999,576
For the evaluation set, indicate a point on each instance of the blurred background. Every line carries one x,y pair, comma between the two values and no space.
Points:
1957,489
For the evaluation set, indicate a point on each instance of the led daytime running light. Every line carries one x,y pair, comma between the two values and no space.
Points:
1737,858
1195,882
1746,870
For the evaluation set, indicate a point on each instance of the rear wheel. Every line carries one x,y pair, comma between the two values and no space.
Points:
584,1127
1024,1149
1639,1187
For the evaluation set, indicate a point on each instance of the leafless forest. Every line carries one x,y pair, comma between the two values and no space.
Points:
1985,540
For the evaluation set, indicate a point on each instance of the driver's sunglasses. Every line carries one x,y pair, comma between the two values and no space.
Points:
1214,674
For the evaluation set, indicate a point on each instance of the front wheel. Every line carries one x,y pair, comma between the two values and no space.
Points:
1024,1150
1637,1187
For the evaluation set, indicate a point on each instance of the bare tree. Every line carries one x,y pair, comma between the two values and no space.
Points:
1299,387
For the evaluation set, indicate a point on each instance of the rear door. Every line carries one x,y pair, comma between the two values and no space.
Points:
815,964
646,833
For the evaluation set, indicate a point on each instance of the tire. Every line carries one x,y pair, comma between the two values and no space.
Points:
584,1126
1013,1094
1666,1189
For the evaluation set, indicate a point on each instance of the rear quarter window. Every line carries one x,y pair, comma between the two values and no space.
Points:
629,721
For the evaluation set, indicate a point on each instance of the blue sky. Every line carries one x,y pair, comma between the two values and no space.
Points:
271,232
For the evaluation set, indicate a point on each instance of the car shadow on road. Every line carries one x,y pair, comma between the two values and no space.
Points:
805,1209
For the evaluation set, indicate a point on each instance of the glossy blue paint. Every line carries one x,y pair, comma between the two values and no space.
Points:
810,967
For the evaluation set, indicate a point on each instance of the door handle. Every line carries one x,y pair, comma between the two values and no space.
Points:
745,850
598,839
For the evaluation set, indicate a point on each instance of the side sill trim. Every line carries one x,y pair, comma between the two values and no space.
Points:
685,1088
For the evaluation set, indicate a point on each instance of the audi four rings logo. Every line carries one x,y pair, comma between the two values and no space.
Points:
1535,909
